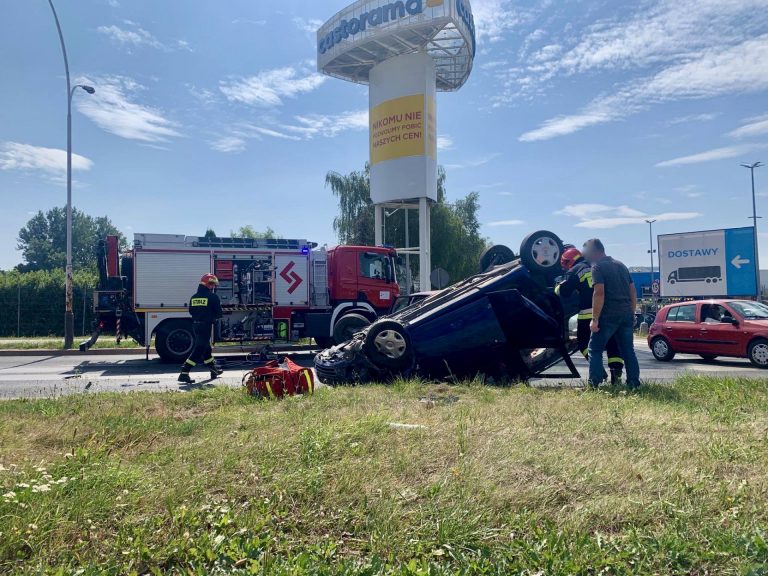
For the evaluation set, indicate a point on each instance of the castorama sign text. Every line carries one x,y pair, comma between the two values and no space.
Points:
371,19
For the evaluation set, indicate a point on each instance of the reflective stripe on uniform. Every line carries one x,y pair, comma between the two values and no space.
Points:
585,316
210,360
586,353
557,289
587,277
615,360
190,363
310,386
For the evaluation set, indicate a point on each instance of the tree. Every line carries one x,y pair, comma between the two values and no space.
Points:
210,234
456,240
43,240
250,232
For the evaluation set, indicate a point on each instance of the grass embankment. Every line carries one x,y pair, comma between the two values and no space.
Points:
673,480
54,343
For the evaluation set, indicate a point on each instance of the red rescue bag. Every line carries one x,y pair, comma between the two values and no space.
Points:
277,379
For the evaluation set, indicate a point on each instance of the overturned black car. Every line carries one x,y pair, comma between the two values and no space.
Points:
505,323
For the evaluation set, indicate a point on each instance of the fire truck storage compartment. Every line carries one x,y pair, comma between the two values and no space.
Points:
168,279
244,279
292,279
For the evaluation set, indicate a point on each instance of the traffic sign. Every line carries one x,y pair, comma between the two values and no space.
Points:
709,263
655,287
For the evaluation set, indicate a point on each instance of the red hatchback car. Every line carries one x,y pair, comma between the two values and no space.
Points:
712,328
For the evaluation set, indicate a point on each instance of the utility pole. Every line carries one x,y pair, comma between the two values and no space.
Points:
754,217
69,316
651,251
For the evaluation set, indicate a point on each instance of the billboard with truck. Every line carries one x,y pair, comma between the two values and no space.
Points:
708,263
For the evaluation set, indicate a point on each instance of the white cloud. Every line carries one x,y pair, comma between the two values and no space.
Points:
113,109
229,144
602,216
705,117
495,18
754,127
475,163
308,26
709,156
444,142
505,194
49,162
132,36
304,127
271,87
742,68
328,125
498,223
249,21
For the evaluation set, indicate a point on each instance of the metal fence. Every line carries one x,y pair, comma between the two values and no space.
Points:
29,311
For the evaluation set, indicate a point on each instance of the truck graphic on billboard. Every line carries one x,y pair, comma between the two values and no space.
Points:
708,274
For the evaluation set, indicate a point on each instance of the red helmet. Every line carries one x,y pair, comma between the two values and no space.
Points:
209,280
570,257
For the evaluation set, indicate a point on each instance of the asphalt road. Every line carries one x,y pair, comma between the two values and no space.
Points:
53,376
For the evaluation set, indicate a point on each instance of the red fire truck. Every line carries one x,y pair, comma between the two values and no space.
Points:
271,290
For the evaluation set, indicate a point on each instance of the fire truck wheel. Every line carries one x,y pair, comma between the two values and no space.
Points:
174,340
388,345
348,325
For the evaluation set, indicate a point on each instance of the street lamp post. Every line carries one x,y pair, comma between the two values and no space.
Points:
651,251
754,217
69,317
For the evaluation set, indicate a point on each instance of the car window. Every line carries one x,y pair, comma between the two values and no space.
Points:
713,313
751,310
683,314
672,314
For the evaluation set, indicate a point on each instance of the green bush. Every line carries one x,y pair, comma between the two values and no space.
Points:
32,303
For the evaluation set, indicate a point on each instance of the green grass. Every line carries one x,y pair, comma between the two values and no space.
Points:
673,480
56,343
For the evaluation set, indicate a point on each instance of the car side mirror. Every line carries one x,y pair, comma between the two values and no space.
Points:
730,320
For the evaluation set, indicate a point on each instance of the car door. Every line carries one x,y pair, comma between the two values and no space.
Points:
681,328
715,336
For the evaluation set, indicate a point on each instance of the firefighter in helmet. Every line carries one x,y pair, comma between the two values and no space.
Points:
205,309
578,278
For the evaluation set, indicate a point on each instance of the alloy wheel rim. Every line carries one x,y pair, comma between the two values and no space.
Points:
390,343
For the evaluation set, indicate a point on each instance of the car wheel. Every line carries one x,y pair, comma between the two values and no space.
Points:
174,340
494,256
348,325
388,345
758,353
540,252
661,349
708,357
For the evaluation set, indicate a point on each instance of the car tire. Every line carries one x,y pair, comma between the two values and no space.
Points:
174,340
495,256
661,349
708,357
758,353
348,325
388,345
540,252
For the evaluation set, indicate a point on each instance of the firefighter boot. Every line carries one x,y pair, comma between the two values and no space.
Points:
185,379
215,369
616,376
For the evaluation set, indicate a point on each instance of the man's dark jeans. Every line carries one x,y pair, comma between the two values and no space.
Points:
622,328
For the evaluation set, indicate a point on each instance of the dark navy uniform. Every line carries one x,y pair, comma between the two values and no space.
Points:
205,309
579,279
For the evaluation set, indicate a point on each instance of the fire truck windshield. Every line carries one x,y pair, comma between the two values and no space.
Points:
377,267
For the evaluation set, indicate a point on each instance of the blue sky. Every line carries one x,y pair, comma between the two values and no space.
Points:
583,117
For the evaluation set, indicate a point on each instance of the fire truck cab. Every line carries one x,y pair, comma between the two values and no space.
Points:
271,290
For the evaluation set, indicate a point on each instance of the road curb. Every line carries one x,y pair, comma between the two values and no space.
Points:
98,352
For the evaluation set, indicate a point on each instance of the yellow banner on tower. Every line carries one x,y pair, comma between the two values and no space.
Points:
399,128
